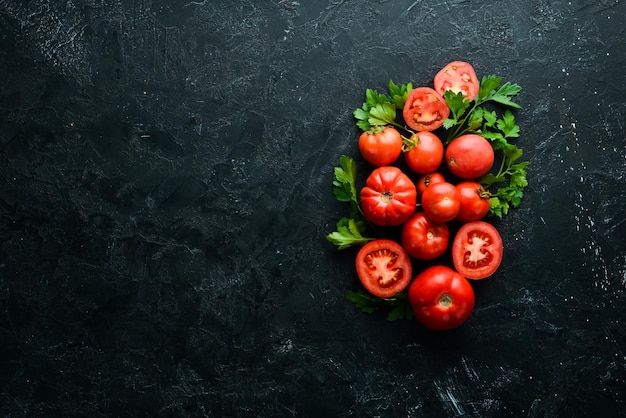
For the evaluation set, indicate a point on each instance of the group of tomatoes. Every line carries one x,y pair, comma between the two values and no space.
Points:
435,191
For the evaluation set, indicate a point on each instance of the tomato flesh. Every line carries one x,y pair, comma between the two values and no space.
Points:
441,298
477,250
425,109
459,77
384,267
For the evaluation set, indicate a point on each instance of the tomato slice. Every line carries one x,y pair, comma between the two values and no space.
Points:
458,76
383,267
425,109
477,250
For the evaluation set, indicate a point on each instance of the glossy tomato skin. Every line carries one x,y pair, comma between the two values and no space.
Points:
389,197
477,250
381,147
425,154
458,76
441,298
441,202
423,238
425,109
474,201
384,268
469,156
427,179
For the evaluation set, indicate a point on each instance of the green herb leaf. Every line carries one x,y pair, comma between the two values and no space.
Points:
399,306
382,114
349,233
399,94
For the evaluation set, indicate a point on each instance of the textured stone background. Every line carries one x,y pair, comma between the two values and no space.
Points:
165,192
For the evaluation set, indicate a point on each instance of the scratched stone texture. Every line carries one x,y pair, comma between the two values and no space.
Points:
165,193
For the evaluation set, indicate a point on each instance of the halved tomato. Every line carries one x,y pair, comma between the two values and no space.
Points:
477,250
425,109
458,76
383,267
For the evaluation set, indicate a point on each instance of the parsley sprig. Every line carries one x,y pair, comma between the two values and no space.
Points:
399,305
507,185
380,109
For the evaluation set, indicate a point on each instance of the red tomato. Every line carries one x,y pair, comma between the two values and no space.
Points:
458,76
425,109
427,180
474,201
423,238
441,202
441,299
425,154
477,250
383,267
469,156
381,146
389,197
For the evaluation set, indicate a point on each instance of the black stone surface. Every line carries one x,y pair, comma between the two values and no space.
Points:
165,193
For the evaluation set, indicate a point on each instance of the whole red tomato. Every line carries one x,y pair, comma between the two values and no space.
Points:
425,152
426,180
469,156
441,299
474,201
381,146
477,250
423,238
441,202
458,76
383,267
389,197
425,109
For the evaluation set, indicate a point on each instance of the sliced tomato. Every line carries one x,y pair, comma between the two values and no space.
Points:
477,250
425,109
383,267
459,77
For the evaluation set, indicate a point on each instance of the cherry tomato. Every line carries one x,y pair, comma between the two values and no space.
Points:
469,156
441,299
381,146
383,267
441,202
428,179
477,250
423,238
389,197
474,201
425,153
458,76
425,109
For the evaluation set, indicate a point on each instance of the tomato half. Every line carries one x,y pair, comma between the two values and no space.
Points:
428,179
389,197
458,76
425,152
384,268
469,156
441,202
477,250
474,201
381,146
425,109
441,299
423,238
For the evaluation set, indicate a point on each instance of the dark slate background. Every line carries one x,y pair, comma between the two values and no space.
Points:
166,171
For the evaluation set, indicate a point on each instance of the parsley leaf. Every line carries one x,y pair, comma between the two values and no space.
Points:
349,233
398,305
380,109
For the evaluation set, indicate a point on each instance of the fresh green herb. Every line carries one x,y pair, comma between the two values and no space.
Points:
399,304
350,229
474,117
380,109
